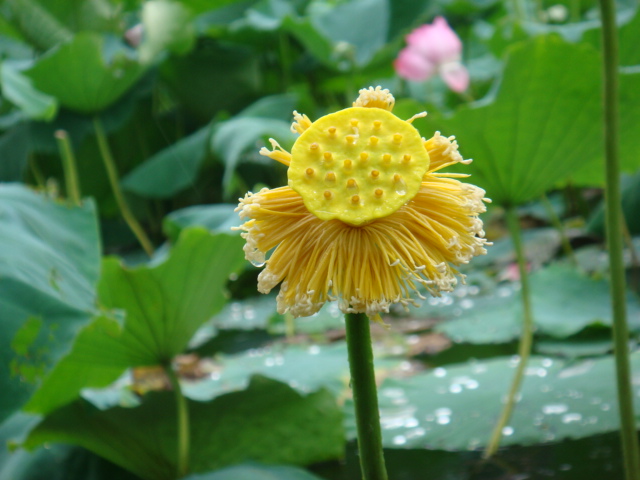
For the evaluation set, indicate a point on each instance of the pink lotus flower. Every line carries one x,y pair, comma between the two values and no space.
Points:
433,48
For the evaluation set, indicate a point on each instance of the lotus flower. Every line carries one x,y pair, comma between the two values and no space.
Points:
367,215
433,48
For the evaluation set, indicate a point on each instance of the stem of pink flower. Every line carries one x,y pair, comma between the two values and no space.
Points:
613,201
365,397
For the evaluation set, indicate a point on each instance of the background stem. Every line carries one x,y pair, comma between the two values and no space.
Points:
112,173
184,433
526,337
557,223
613,217
365,397
72,185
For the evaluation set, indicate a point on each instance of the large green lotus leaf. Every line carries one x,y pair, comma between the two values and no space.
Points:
49,263
256,319
348,34
256,472
216,218
19,90
260,313
314,41
205,89
455,408
79,76
592,172
13,430
170,170
357,29
490,319
628,38
60,462
630,186
38,25
305,368
264,118
564,302
265,16
163,306
88,15
576,347
14,151
268,422
202,6
542,126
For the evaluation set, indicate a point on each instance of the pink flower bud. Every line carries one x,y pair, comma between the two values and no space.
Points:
413,66
433,48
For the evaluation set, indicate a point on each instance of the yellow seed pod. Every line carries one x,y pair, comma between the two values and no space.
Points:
370,161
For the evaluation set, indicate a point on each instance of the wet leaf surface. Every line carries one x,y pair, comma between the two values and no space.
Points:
455,407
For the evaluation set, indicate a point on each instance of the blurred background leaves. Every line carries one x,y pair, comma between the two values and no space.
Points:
188,91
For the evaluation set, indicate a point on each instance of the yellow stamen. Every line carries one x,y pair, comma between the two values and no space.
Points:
375,98
300,123
277,153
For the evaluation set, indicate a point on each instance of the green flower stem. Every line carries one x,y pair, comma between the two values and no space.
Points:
557,223
69,166
184,433
526,337
365,397
112,173
613,201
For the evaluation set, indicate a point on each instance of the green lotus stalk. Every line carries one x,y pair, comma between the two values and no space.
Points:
526,338
184,431
112,173
69,166
613,201
365,397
